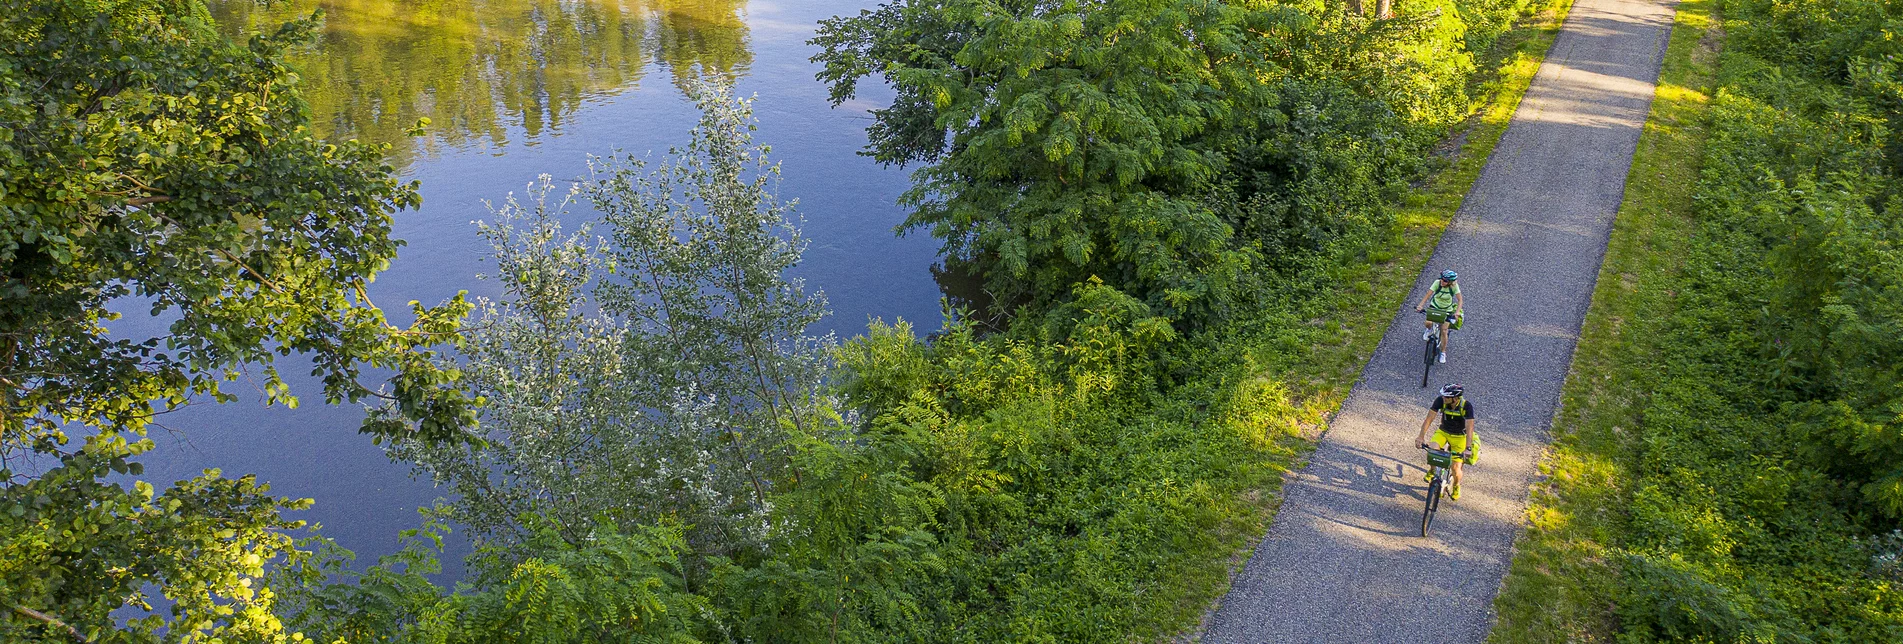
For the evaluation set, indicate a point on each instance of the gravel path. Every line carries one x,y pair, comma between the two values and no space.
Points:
1344,560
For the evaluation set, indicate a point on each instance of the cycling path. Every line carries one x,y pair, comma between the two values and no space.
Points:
1344,560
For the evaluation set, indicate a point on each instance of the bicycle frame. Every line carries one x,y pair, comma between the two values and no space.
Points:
1433,351
1440,464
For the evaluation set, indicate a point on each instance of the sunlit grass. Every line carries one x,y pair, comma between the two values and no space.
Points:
1558,587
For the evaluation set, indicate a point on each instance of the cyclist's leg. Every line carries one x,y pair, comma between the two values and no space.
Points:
1455,443
1437,441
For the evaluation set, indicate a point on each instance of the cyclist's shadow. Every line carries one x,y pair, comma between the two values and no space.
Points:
1378,479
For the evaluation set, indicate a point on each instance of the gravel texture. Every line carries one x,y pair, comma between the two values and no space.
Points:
1344,560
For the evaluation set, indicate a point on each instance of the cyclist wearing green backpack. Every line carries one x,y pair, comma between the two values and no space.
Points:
1444,307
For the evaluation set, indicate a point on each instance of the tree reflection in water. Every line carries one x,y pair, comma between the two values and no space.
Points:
478,69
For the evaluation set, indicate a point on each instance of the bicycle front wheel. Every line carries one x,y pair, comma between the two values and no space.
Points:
1433,503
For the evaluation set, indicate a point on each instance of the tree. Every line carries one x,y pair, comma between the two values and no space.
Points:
1164,146
664,373
1063,140
147,161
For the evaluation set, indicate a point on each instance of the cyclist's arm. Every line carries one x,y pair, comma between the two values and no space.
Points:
1427,425
1460,306
1423,303
1473,439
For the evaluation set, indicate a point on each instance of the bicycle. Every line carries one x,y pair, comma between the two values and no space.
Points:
1439,462
1433,348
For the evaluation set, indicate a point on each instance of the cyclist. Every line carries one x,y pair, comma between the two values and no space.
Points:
1443,304
1456,431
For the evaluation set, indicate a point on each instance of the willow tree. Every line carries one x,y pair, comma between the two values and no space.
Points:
662,373
149,164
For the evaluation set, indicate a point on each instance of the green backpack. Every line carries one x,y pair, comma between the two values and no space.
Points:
1457,322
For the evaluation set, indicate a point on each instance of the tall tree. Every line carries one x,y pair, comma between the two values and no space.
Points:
1063,140
148,162
663,372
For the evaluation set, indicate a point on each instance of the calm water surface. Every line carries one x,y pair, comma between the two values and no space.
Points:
516,88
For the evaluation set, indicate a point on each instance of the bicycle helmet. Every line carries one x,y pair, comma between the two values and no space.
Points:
1452,391
1449,275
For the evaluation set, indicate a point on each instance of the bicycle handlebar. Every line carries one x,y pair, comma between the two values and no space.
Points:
1437,450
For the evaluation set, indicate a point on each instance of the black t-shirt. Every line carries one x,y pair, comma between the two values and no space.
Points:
1453,421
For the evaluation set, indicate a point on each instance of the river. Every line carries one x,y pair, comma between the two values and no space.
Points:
516,88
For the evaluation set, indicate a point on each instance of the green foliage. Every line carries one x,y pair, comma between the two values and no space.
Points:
664,372
1804,161
613,584
77,549
148,158
148,162
1065,138
1063,495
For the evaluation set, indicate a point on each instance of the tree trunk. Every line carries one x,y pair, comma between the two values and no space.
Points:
1384,9
1354,7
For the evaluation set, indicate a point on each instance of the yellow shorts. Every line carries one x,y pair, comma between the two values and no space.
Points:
1455,443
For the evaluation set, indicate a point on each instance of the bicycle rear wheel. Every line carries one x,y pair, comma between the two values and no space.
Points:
1427,362
1433,503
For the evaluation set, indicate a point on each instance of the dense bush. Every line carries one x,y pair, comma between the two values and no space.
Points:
147,163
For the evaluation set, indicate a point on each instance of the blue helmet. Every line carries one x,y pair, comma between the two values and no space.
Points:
1449,275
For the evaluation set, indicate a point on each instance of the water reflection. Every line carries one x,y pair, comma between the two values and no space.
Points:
516,89
484,69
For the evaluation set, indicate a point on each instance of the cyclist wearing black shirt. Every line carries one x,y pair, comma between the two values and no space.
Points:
1456,431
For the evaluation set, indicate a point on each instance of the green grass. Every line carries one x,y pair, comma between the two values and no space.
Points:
1562,575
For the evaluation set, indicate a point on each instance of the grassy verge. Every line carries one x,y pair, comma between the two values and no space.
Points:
1358,312
1562,576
